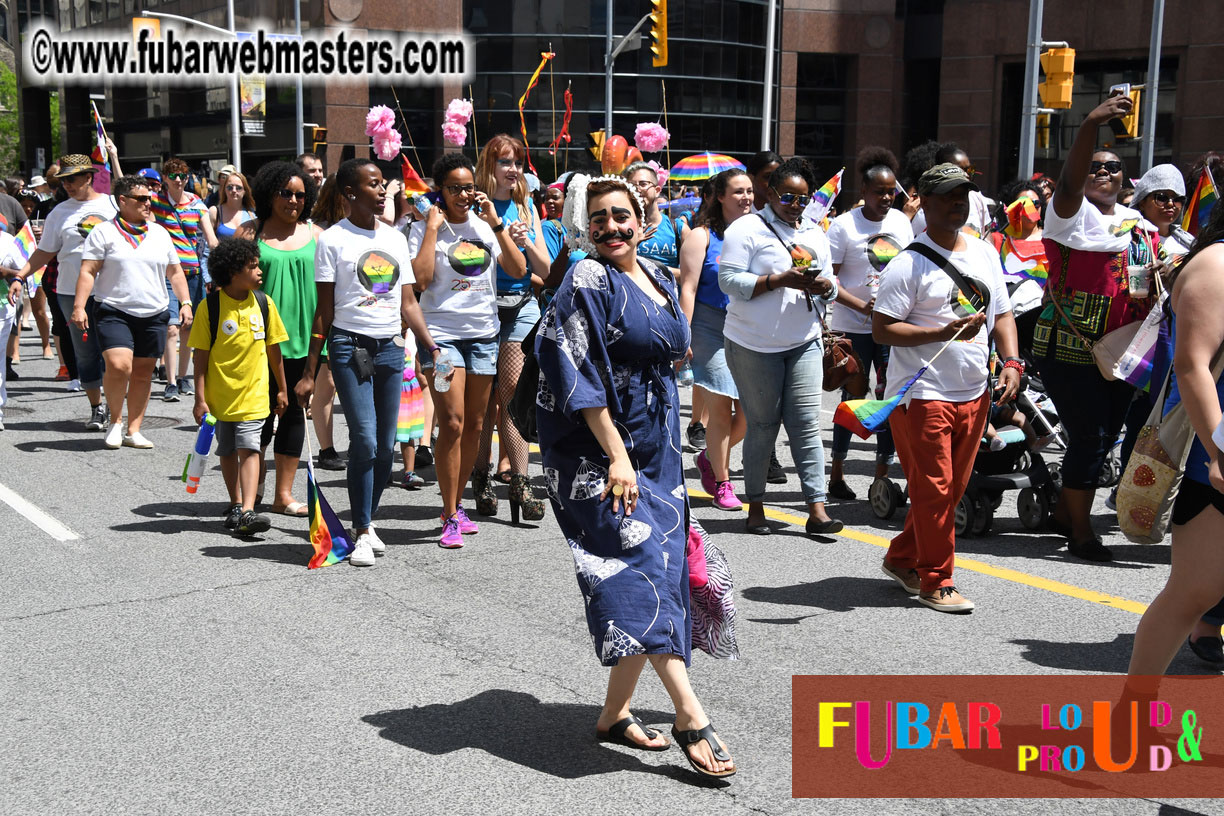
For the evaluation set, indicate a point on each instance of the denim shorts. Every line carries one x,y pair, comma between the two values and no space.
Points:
477,356
236,436
709,363
144,336
514,331
195,288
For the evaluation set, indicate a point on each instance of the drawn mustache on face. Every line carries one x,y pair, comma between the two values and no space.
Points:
613,235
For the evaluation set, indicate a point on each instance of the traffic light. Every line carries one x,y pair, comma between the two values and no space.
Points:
1043,131
1127,127
318,140
658,32
1058,64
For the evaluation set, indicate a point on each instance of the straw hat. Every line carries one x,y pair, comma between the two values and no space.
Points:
73,164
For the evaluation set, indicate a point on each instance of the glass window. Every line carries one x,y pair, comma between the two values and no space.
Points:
821,107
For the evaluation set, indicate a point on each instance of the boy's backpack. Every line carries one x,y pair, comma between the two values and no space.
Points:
214,313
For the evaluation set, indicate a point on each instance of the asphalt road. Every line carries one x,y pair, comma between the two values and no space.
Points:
155,664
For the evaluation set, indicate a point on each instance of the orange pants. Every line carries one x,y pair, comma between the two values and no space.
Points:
936,443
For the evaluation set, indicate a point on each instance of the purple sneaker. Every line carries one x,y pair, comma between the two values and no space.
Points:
452,538
707,473
725,498
466,525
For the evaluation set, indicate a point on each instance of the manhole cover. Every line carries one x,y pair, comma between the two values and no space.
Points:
160,422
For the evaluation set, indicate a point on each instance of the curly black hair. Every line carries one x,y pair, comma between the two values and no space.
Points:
449,162
872,159
918,160
271,179
792,168
229,257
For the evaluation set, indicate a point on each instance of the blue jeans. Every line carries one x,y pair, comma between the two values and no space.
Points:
774,389
873,355
88,351
371,409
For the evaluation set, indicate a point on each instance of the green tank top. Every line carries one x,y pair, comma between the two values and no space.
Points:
288,278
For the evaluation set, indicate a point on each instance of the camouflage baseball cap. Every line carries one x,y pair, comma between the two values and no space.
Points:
943,178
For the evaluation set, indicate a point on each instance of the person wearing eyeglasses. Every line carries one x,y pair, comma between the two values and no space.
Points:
182,213
778,276
121,297
500,175
661,236
1159,196
455,252
236,206
282,196
1091,242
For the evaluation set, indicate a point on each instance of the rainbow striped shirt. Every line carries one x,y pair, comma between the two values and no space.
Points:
183,224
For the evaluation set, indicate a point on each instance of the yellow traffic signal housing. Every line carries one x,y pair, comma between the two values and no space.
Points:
1043,131
598,138
658,32
318,140
1127,127
1058,64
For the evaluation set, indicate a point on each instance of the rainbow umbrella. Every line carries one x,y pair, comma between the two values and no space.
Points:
702,166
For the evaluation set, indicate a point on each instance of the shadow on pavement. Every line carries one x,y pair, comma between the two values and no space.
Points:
1110,656
64,426
88,443
839,594
281,553
552,738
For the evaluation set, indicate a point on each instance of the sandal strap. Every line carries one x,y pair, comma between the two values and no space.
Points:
688,738
619,729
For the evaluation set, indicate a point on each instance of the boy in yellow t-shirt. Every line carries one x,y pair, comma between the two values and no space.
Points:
231,372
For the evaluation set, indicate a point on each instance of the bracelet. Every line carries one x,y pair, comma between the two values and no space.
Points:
318,336
1014,362
501,225
432,349
768,278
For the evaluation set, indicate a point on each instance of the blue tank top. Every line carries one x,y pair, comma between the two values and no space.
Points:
707,288
508,211
223,231
661,246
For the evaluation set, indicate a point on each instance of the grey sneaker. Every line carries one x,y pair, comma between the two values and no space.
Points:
184,386
250,523
232,516
98,421
171,394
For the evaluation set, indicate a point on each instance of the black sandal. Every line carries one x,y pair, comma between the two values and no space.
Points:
505,477
617,734
687,738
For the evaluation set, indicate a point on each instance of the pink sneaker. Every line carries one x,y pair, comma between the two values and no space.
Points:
466,525
707,473
452,538
725,498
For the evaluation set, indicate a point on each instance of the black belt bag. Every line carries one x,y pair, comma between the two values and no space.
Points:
510,303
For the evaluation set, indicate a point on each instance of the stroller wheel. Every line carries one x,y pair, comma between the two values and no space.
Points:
983,517
1055,469
885,497
1109,473
1033,507
964,516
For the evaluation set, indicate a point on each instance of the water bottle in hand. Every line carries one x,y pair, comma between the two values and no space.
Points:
443,368
684,377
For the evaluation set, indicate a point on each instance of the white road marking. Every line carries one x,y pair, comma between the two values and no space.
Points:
48,524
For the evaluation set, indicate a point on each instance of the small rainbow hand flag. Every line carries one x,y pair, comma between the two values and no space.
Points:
25,241
327,535
99,154
413,183
864,417
1198,208
822,199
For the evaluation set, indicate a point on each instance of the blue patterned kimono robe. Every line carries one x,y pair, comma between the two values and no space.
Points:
604,343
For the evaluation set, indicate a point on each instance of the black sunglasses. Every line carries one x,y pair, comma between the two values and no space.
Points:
1110,166
143,199
290,195
788,199
1167,198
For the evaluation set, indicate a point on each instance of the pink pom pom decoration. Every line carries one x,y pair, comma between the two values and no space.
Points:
380,119
387,146
662,172
459,111
454,134
650,137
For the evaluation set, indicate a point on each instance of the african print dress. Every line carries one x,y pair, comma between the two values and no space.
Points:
604,343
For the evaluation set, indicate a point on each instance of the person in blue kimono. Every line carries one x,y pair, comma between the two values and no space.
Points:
609,435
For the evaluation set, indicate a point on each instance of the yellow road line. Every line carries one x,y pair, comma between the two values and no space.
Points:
973,565
533,447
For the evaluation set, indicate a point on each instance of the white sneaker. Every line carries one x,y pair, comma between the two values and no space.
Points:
363,553
73,385
136,440
376,543
114,436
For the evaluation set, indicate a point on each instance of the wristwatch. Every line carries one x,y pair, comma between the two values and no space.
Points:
501,225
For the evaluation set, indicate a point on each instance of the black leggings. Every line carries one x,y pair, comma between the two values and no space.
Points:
59,328
290,431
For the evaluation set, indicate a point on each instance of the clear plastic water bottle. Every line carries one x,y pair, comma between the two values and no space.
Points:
442,371
684,377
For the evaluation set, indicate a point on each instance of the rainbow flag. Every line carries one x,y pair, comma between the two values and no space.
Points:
413,184
25,241
1198,208
822,199
327,535
99,154
864,417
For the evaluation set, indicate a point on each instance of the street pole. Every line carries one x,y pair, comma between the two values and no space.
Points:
1028,113
608,75
1148,145
301,119
767,100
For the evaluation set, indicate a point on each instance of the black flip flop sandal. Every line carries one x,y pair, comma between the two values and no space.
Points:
687,738
617,735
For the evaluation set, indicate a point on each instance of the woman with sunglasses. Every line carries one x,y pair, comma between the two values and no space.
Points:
609,431
777,273
182,213
236,208
365,299
1159,196
454,252
500,176
861,243
283,197
126,265
1091,242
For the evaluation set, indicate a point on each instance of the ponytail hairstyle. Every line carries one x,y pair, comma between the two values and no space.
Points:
711,214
